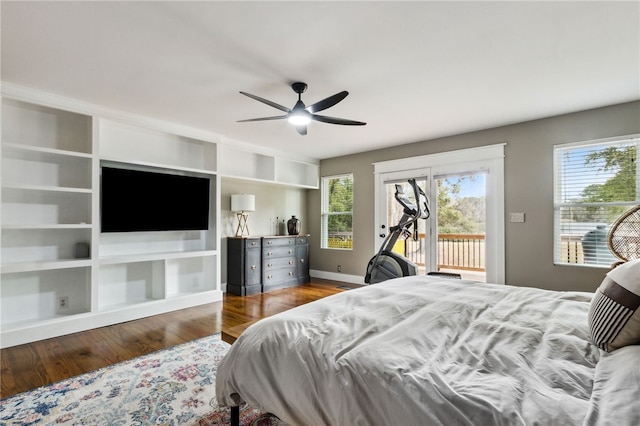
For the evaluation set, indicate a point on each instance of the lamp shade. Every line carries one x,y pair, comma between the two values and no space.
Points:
243,202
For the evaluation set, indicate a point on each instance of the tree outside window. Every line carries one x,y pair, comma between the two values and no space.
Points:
337,212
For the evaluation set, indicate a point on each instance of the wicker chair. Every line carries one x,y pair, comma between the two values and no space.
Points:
624,236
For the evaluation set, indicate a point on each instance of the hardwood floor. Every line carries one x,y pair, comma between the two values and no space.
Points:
36,364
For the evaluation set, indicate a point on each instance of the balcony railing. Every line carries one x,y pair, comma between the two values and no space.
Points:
467,251
341,240
571,249
461,251
455,251
578,249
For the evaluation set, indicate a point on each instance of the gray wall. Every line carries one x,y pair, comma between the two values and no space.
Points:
528,188
271,201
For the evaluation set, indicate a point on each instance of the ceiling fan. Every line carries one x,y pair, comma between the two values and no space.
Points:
301,115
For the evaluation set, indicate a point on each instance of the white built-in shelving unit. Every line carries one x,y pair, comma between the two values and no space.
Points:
250,165
60,274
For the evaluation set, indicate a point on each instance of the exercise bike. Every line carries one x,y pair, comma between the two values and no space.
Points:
386,264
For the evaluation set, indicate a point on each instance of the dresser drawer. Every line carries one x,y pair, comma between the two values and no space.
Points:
278,276
279,251
276,242
302,240
252,243
279,262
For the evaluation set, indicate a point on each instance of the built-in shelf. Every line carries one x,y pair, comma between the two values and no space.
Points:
42,128
248,165
44,266
45,188
60,273
63,226
40,152
45,170
32,297
106,260
297,173
132,283
146,164
138,145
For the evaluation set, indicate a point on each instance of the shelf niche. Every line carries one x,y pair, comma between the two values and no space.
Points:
138,145
34,296
45,128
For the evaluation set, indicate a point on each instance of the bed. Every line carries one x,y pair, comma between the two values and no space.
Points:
429,351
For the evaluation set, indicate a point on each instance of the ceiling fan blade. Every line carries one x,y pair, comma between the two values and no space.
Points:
302,130
327,102
266,101
334,120
277,117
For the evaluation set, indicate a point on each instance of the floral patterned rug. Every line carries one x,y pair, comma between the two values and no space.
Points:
175,386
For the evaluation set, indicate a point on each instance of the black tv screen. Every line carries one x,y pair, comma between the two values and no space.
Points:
134,200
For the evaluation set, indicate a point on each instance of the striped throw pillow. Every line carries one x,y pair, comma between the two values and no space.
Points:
614,314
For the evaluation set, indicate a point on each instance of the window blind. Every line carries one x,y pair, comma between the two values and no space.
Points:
594,183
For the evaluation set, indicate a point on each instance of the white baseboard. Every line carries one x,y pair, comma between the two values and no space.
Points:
337,276
333,276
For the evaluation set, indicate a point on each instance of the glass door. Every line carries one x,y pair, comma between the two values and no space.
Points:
454,237
461,224
390,213
465,231
413,246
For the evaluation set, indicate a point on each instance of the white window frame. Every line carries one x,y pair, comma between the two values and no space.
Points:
324,211
559,201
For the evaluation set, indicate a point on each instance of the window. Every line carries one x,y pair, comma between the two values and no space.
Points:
594,183
337,212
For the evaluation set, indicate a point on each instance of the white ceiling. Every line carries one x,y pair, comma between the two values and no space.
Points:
414,70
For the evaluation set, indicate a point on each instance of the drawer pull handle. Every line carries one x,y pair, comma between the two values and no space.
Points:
291,262
269,242
269,276
253,243
290,273
301,260
269,253
269,265
290,251
253,266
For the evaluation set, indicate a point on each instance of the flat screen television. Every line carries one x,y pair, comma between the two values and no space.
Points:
134,200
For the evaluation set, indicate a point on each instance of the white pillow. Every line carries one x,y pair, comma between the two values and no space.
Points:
614,314
615,396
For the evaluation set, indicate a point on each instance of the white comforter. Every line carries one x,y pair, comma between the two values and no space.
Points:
418,351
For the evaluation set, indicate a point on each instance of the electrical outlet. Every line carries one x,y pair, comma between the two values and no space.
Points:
339,268
63,302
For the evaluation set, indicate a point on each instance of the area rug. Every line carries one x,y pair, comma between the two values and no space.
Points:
174,386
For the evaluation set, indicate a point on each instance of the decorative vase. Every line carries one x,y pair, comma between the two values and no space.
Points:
293,225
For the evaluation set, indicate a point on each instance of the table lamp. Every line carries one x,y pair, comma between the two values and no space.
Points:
241,204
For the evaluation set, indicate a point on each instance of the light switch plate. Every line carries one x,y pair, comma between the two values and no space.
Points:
516,217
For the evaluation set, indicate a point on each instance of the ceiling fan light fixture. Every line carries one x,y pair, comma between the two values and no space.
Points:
301,115
299,118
